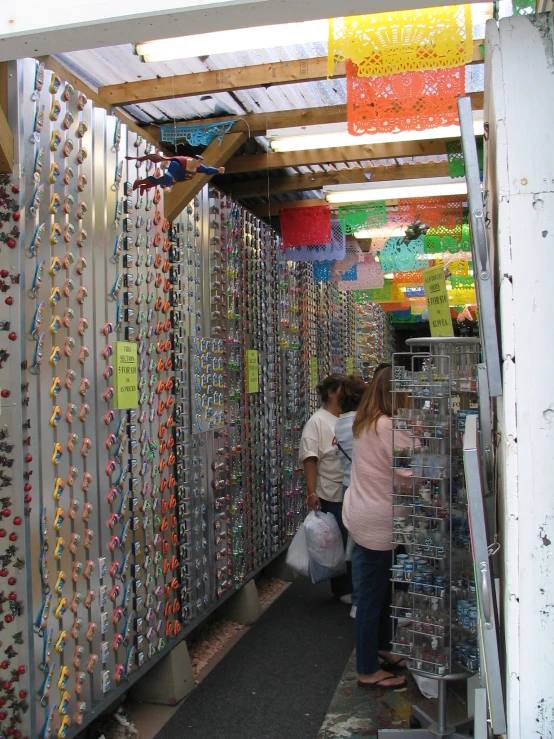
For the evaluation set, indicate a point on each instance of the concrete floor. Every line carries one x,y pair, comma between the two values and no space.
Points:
356,712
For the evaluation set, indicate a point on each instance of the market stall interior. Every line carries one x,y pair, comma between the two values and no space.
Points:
194,233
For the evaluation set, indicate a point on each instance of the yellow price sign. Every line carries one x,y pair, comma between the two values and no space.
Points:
436,294
350,365
252,371
125,375
314,375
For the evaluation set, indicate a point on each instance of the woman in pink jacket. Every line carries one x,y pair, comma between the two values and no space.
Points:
367,514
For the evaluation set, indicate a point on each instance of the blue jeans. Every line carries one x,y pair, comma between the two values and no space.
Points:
374,627
341,585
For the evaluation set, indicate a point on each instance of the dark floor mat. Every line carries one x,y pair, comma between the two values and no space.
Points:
278,681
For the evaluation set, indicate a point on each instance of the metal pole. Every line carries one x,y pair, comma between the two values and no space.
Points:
441,717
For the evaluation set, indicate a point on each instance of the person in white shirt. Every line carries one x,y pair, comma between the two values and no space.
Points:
350,395
322,467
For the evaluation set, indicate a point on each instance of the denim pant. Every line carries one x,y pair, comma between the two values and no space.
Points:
341,585
374,626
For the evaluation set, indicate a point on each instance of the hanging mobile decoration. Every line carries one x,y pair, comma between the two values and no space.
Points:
402,41
196,135
179,169
415,230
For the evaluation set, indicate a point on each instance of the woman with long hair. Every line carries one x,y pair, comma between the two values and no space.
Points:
350,395
322,468
367,514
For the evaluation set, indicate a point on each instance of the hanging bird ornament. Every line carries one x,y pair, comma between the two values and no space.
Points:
415,230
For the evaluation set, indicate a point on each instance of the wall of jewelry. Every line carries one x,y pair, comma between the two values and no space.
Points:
161,375
435,569
374,336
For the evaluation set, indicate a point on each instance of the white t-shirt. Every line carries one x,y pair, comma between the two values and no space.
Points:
318,440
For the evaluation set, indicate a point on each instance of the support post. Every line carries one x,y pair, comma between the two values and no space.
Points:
244,606
168,682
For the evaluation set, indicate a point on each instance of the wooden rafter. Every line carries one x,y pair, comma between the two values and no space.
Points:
216,155
276,185
222,80
6,136
257,124
262,162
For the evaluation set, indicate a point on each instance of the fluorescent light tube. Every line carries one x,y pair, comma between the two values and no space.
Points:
396,190
242,39
323,137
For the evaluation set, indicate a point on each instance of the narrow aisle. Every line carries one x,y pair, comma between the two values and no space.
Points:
278,681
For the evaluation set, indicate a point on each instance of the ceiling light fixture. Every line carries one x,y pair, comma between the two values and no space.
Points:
224,42
335,134
402,189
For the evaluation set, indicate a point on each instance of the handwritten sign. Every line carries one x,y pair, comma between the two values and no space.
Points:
252,371
125,375
434,284
314,375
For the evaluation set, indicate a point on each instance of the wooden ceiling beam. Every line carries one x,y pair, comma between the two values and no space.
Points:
6,136
262,162
216,155
224,80
258,124
294,183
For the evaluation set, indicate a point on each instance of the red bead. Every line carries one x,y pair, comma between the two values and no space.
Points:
27,487
4,572
23,694
4,273
22,669
12,336
6,512
17,521
13,537
16,216
3,533
11,580
10,243
8,618
5,664
5,393
28,458
28,498
2,701
8,300
15,189
12,596
7,685
3,715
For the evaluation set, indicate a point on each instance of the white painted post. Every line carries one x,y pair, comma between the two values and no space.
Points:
519,183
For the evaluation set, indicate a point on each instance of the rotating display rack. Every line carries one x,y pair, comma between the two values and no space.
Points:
433,576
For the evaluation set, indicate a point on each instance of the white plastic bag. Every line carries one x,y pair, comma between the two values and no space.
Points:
298,558
349,549
325,546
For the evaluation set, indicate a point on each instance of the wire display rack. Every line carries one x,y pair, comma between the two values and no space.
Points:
434,390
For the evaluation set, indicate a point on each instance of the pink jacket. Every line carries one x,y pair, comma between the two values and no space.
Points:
367,507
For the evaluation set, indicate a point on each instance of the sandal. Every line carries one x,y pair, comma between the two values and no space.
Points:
394,666
378,684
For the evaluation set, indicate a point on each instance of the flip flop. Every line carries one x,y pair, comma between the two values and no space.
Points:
394,666
384,687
